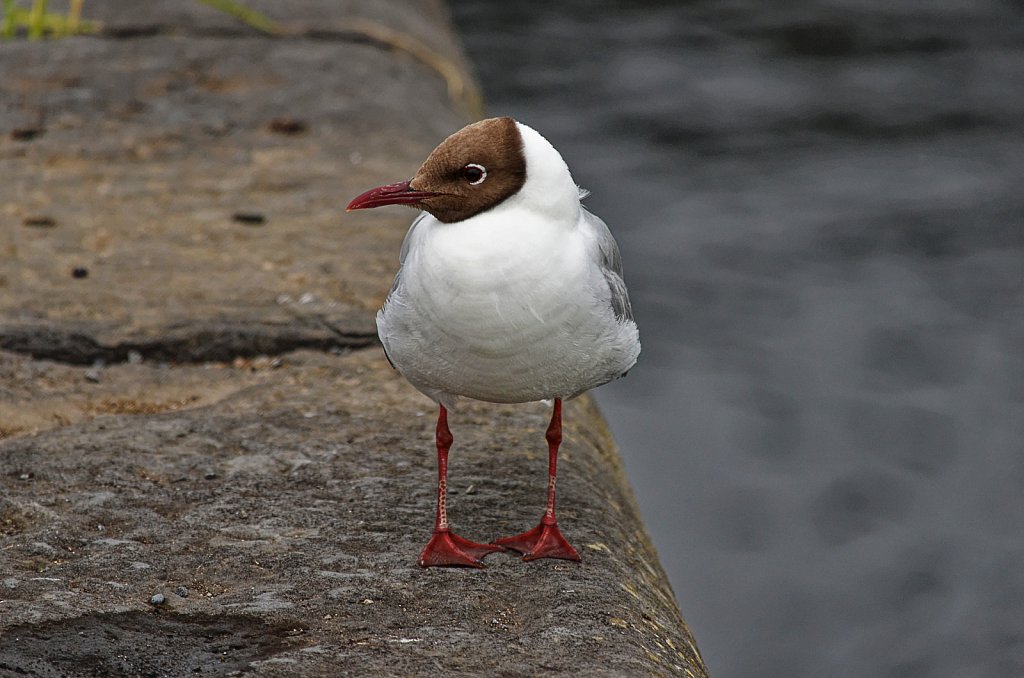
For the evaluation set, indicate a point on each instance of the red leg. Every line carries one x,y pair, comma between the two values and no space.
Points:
546,540
446,548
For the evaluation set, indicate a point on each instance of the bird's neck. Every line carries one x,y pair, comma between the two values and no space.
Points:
556,203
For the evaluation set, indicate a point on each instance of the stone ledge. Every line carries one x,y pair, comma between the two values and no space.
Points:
190,505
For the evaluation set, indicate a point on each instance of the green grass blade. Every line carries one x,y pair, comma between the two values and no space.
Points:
8,26
37,19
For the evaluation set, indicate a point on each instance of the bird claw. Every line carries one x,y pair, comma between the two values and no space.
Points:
446,549
543,541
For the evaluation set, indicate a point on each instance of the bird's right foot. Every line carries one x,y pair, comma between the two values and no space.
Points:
446,549
543,541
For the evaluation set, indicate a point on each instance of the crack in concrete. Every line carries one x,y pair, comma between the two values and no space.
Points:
218,343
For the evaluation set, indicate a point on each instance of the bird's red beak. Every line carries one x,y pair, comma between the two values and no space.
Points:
392,194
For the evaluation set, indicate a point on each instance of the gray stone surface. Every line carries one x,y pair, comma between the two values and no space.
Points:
205,410
299,496
150,147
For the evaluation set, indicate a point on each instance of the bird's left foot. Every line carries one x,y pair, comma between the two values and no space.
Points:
543,541
446,549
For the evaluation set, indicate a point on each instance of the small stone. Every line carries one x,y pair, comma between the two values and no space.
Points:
158,599
26,133
39,221
94,373
210,475
79,272
181,591
134,358
288,126
249,218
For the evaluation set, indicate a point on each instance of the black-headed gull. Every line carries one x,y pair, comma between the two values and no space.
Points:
509,291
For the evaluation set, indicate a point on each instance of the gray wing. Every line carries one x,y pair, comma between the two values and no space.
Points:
406,244
611,266
408,236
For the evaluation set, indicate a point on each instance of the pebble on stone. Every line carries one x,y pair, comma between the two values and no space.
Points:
288,126
39,221
26,133
158,599
249,218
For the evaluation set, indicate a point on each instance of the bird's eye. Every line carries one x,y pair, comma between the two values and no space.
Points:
474,174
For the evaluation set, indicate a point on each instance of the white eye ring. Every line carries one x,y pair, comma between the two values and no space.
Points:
483,173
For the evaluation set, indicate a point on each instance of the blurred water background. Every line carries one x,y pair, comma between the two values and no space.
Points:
821,212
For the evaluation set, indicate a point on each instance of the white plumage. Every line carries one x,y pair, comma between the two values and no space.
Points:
524,301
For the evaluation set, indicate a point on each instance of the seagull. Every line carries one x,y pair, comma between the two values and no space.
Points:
508,291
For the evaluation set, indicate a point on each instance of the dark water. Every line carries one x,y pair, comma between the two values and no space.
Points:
821,211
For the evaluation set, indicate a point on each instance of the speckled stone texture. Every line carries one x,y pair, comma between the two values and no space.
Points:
206,464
